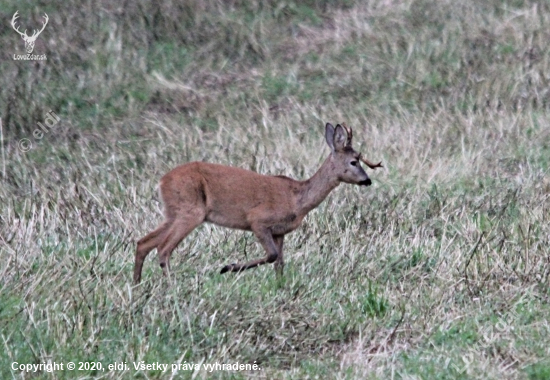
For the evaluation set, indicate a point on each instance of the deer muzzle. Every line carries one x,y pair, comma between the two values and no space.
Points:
365,182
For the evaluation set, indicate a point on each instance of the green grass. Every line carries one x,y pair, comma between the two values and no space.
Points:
438,271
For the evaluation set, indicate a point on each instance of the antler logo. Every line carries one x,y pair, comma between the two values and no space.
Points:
29,40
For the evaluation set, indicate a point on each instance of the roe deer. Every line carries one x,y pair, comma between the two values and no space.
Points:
269,206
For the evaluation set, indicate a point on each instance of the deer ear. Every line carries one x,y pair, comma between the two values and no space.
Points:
340,138
329,135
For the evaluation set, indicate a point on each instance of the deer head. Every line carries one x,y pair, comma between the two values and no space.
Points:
345,158
29,40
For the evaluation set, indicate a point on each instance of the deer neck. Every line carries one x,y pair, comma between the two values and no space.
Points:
315,190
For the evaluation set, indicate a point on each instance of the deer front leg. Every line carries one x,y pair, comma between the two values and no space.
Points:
271,248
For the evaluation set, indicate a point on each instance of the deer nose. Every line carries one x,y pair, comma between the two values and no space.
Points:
366,182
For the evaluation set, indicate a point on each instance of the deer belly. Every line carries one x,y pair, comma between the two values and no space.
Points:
229,220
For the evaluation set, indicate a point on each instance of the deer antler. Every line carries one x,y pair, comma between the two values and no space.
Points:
370,164
15,16
367,162
350,133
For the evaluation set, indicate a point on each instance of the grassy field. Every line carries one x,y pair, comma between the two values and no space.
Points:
439,270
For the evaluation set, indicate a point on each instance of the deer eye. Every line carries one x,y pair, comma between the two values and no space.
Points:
353,163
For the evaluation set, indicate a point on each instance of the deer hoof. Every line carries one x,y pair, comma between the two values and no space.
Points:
227,268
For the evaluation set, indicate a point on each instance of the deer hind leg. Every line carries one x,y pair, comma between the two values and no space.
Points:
146,245
279,263
267,241
180,228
